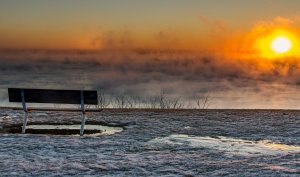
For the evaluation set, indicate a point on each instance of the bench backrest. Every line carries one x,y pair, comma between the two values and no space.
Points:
53,96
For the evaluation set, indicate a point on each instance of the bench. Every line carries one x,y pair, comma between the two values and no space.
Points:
82,97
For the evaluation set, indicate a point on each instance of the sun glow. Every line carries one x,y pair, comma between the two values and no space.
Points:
281,44
277,44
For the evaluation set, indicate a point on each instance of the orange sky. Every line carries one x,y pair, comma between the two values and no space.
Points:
231,26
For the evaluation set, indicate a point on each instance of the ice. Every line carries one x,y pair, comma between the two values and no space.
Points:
230,146
9,116
282,168
156,143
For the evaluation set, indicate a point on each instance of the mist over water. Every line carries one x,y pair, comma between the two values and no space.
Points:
145,74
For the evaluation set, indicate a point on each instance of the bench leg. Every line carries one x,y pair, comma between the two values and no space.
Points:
82,124
24,122
25,111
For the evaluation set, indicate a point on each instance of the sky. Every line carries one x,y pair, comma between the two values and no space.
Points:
189,24
241,53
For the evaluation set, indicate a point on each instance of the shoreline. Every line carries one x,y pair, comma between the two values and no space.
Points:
32,109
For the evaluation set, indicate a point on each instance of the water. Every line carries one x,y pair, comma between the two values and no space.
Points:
158,143
105,130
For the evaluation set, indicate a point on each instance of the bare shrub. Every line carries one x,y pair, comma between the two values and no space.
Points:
103,100
121,102
152,102
203,102
134,101
166,102
176,103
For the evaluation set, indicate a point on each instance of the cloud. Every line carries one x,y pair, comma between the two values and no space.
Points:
134,67
111,39
167,38
215,27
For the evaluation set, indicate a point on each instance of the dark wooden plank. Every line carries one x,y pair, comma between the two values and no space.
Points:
35,109
52,96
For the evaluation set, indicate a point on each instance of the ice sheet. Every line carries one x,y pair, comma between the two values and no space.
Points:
230,146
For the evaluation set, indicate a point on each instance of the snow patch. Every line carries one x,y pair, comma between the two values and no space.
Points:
230,146
9,116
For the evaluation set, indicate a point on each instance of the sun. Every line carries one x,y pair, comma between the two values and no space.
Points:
281,44
276,44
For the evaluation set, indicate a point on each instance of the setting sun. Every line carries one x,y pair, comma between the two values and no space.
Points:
277,43
281,44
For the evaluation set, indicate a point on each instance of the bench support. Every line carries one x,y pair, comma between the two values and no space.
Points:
25,111
83,113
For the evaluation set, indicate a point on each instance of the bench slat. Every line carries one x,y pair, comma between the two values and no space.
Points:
52,96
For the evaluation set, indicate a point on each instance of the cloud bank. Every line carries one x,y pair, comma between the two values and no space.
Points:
231,82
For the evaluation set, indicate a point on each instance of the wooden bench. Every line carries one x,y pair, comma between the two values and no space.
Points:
81,97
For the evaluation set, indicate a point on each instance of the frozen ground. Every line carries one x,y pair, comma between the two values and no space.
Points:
157,143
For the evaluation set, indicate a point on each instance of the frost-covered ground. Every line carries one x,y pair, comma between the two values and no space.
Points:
157,143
